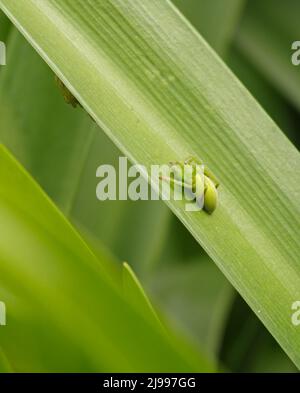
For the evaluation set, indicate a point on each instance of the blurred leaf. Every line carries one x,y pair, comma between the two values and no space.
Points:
4,364
265,38
265,93
35,136
196,298
216,20
160,99
264,356
4,26
211,18
79,147
248,347
62,310
135,293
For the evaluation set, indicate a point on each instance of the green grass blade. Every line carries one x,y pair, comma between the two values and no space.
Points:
196,298
161,94
79,147
58,295
141,232
135,293
21,126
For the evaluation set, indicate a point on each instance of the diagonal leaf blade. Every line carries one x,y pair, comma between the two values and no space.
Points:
161,99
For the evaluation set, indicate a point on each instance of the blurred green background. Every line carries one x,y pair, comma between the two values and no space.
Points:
62,147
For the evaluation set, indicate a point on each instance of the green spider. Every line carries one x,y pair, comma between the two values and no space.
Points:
202,185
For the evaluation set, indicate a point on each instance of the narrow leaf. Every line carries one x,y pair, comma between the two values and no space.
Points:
161,94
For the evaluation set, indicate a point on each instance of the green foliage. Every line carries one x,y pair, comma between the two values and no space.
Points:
265,38
63,309
160,100
4,26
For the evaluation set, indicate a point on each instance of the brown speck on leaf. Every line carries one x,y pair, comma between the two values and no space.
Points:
68,96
